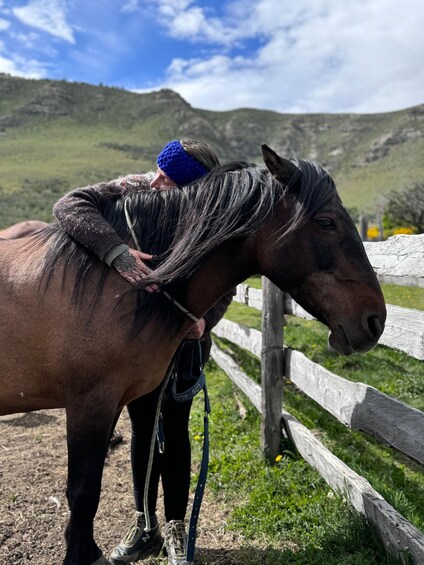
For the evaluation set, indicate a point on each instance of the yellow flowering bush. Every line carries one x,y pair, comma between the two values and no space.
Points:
403,230
373,233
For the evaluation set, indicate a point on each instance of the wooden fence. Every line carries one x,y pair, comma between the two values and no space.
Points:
400,260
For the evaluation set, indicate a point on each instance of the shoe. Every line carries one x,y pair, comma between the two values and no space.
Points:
137,543
176,543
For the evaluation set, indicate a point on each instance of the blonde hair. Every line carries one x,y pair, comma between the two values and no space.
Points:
202,152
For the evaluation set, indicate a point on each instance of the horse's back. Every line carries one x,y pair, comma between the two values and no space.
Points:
22,229
21,261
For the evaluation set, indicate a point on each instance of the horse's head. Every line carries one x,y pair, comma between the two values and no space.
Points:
312,250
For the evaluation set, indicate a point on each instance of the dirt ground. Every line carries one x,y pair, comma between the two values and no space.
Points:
33,506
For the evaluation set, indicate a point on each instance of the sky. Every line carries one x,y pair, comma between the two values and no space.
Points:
294,56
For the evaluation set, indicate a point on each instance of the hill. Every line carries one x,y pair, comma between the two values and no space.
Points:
56,135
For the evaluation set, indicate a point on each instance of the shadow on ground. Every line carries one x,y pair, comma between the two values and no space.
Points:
28,420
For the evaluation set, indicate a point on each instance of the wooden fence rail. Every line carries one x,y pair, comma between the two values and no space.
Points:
356,405
399,260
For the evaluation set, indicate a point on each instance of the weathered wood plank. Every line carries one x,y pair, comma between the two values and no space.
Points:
394,530
244,337
293,308
251,389
249,296
399,260
271,368
404,331
359,406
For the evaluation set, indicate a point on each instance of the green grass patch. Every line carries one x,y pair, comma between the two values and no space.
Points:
405,296
254,282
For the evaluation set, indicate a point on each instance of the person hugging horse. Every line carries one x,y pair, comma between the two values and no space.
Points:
79,213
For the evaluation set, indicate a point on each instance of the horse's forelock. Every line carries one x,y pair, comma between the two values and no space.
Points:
313,189
317,187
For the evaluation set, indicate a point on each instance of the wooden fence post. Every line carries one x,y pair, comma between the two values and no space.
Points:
363,227
271,368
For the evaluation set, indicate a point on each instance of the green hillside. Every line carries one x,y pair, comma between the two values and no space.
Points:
56,135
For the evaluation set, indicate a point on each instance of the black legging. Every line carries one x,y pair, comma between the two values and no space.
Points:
174,465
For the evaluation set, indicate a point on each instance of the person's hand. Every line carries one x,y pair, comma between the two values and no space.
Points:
130,265
197,330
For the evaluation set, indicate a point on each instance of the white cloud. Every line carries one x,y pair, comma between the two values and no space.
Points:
183,20
4,24
130,7
309,56
48,16
18,66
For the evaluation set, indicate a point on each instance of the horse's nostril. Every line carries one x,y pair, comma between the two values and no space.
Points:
375,326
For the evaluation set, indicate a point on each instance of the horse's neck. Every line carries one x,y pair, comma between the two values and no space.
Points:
219,274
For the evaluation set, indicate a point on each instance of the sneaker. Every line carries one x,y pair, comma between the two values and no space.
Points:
176,543
137,543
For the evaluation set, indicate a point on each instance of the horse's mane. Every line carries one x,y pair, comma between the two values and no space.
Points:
179,227
230,202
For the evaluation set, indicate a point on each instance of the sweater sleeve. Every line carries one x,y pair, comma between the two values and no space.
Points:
79,213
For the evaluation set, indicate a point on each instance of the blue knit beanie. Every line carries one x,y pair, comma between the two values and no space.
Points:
181,167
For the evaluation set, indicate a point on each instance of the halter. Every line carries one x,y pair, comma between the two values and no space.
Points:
177,304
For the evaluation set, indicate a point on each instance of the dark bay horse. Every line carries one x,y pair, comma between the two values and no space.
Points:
75,334
22,229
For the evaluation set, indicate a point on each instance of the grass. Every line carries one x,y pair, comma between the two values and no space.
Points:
29,192
287,509
406,296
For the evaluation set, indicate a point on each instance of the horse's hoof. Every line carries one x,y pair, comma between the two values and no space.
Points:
101,561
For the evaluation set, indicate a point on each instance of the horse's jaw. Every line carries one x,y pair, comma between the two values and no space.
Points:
355,327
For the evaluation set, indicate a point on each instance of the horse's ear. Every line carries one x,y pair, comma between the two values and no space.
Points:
282,169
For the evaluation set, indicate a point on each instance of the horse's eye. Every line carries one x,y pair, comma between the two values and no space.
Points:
325,223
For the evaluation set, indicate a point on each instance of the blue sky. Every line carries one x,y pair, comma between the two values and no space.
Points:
283,55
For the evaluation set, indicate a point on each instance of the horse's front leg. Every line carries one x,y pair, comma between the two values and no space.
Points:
89,424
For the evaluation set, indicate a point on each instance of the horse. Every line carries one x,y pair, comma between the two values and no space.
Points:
75,335
22,229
